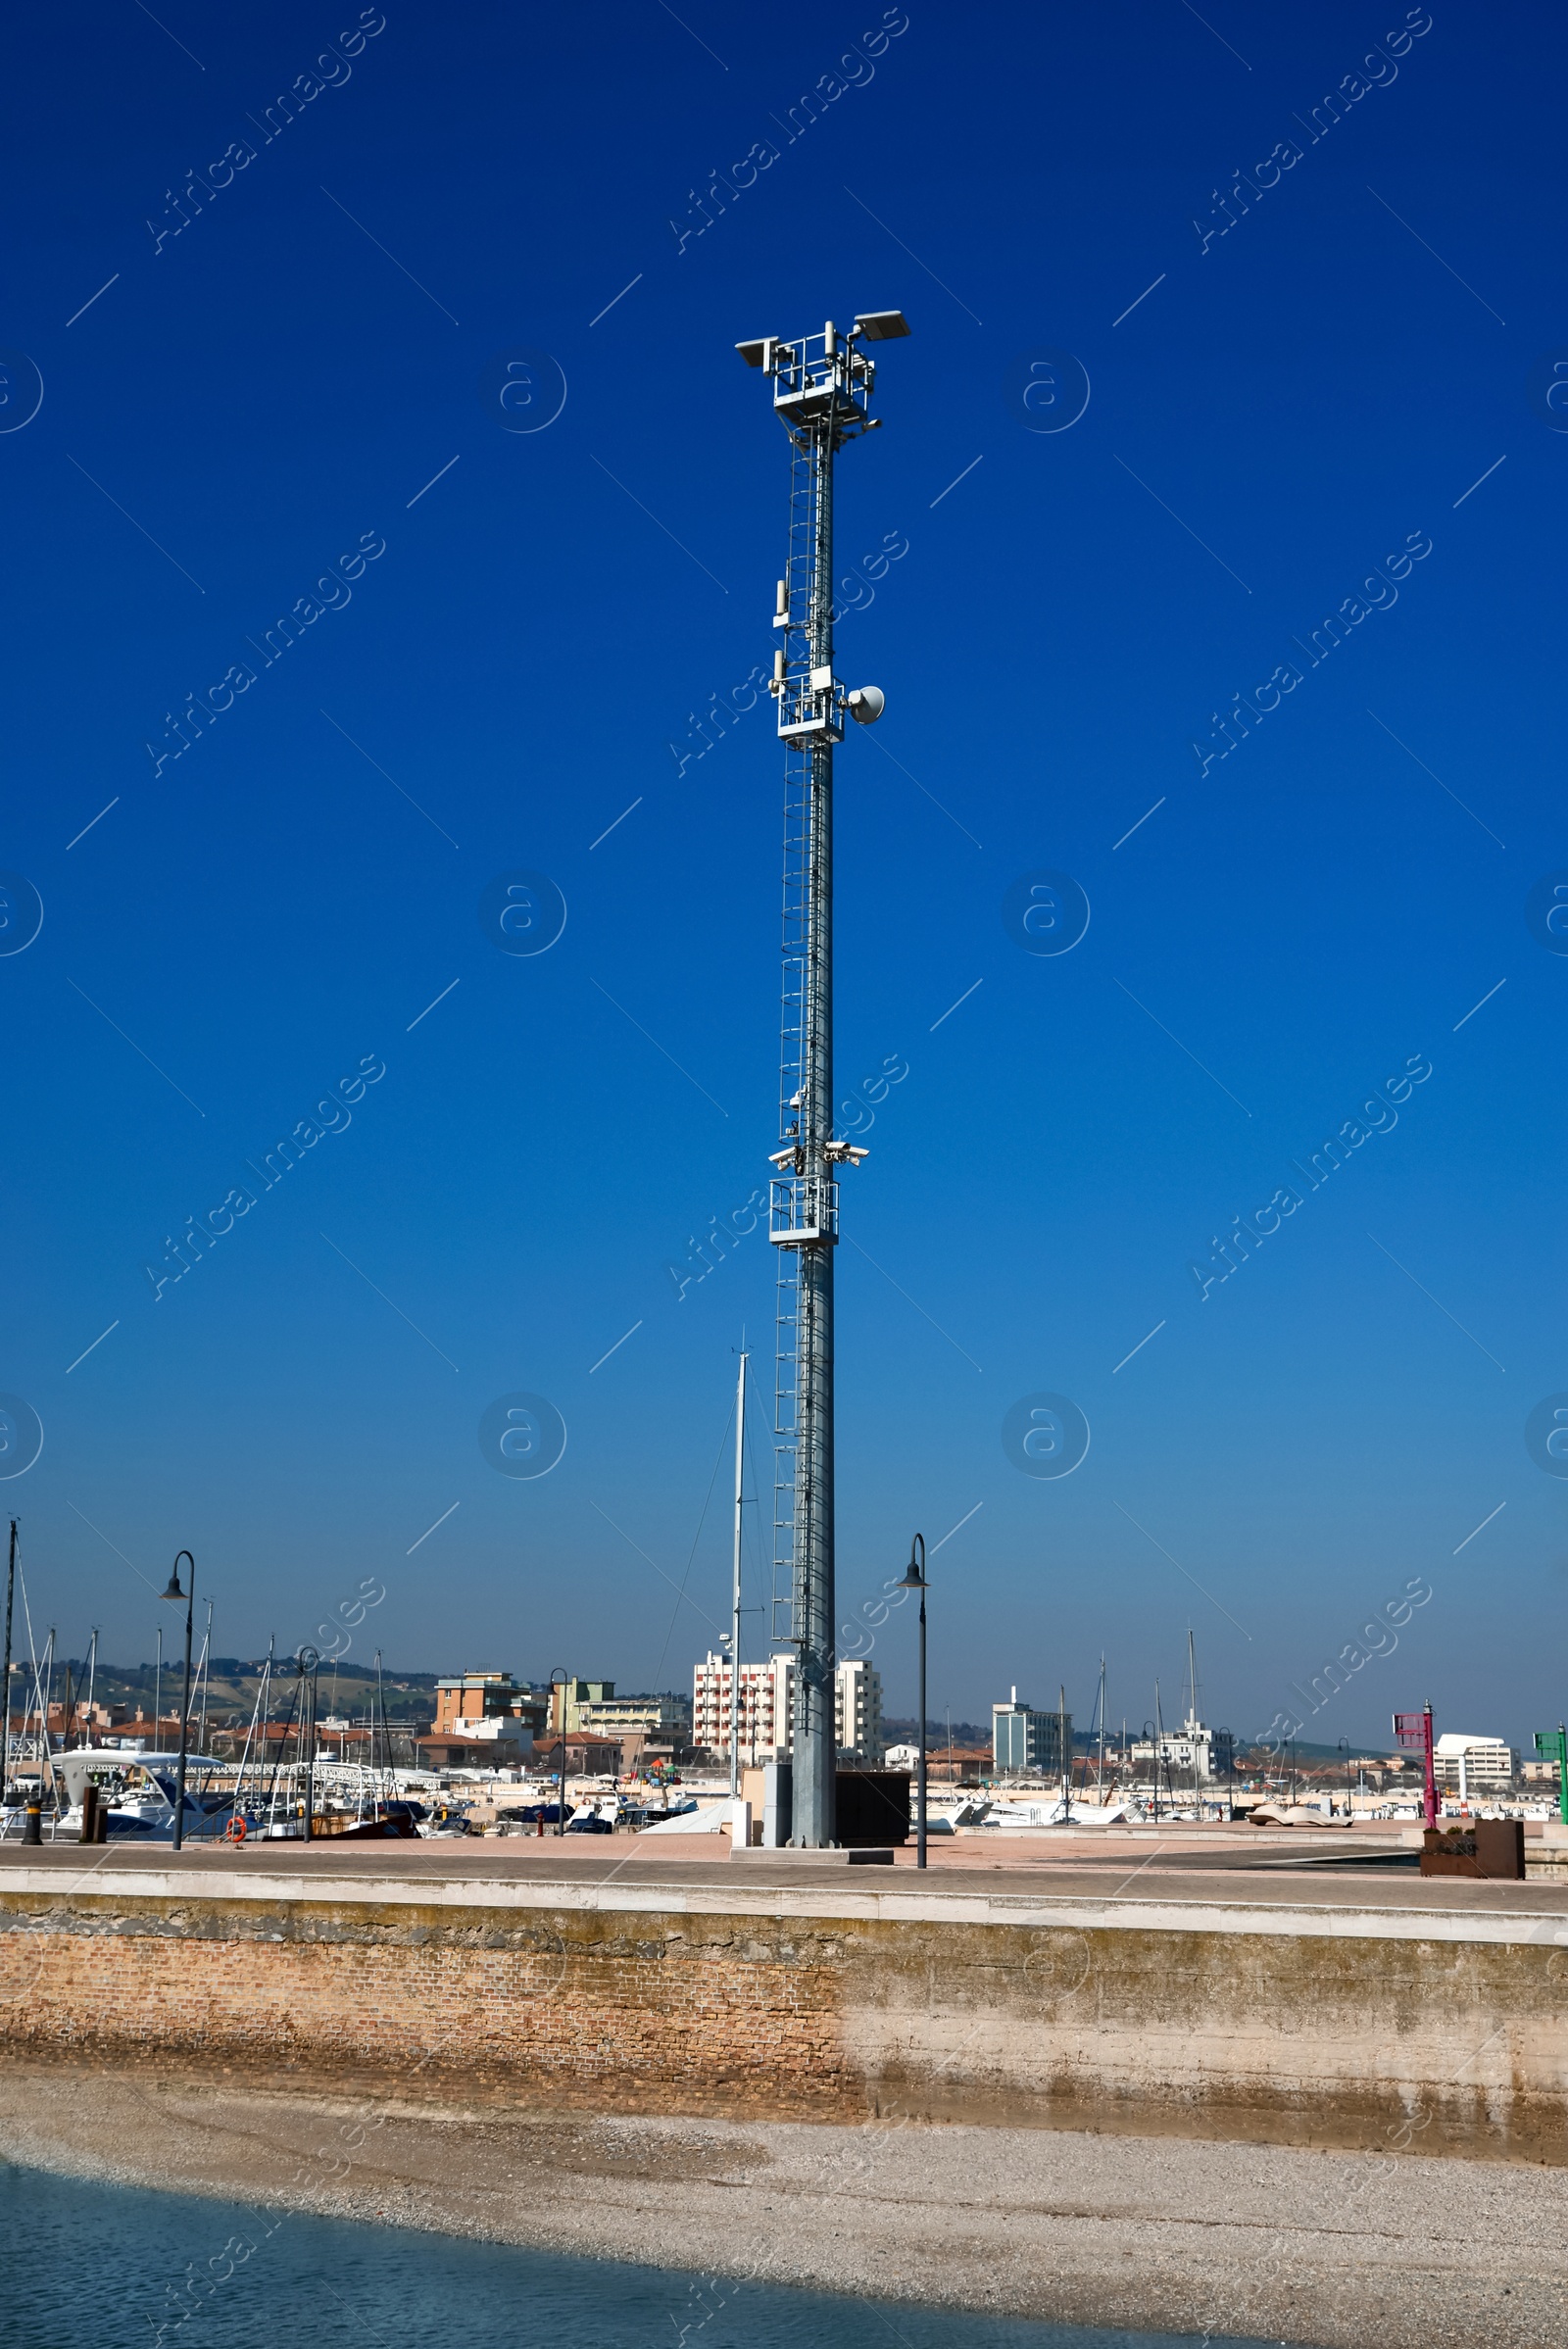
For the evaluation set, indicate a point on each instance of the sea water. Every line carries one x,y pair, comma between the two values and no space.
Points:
84,2265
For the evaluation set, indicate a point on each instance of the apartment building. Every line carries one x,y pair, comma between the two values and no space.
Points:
766,1709
1026,1741
1193,1750
858,1713
462,1699
1461,1763
665,1718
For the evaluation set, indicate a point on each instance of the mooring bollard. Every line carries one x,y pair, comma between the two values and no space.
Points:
100,1821
89,1814
33,1820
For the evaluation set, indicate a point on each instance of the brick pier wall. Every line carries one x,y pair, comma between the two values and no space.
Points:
1372,2029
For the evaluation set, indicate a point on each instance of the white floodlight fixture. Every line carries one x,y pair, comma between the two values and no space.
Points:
879,326
866,703
759,354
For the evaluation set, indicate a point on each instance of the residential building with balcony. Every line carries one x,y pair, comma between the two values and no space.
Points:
663,1719
488,1709
766,1709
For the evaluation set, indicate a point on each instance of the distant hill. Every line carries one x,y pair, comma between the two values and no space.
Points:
232,1683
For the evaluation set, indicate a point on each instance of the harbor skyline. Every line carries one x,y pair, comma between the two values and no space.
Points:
784,955
319,1172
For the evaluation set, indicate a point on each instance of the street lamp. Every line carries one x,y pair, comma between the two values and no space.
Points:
558,1680
1344,1747
175,1594
914,1580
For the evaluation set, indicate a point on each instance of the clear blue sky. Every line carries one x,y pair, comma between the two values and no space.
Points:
264,397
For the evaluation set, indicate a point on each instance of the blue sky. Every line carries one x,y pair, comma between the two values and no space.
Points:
293,387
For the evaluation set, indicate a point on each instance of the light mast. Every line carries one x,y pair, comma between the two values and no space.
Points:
822,386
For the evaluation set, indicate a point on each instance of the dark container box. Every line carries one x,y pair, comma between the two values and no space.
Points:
873,1808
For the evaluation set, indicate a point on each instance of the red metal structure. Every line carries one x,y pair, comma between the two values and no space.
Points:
1415,1730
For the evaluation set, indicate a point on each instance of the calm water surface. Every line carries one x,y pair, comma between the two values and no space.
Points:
93,2267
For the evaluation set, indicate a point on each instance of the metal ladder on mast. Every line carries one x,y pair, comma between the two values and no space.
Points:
792,1019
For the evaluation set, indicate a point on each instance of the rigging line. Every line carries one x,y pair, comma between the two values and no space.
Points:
723,1444
277,1754
256,1730
46,1760
196,1684
239,1782
33,1645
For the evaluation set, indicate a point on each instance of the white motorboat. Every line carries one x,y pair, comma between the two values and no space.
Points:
139,1789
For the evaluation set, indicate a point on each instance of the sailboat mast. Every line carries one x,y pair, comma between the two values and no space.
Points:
380,1742
1192,1715
46,1765
1160,1739
735,1609
5,1673
203,1671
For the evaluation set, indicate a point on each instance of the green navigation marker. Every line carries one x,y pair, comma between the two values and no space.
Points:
1553,1742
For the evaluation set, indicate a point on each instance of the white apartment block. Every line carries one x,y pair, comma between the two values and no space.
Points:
766,1709
858,1713
763,1702
1460,1762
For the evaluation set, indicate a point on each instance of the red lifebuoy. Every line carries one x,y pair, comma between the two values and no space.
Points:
235,1830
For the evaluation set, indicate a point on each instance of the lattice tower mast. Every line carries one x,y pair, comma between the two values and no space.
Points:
822,387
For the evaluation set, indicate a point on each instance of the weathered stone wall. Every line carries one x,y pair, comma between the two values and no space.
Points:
1298,2036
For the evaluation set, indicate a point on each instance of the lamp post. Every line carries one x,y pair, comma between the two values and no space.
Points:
558,1680
307,1664
1343,1745
175,1594
914,1580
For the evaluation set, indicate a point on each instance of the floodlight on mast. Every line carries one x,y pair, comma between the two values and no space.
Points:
822,389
